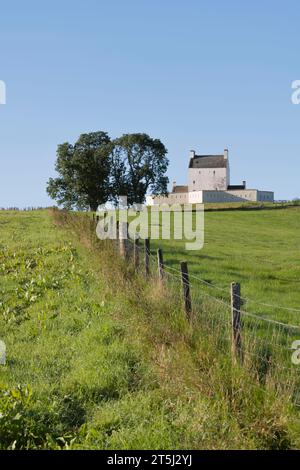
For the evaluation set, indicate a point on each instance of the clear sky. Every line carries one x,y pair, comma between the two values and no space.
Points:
198,74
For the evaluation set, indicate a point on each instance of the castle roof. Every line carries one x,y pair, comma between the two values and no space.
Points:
208,161
180,189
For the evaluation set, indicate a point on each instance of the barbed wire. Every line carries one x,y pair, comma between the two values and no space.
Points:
270,320
226,290
266,342
246,299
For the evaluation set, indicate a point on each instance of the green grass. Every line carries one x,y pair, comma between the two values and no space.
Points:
258,248
99,359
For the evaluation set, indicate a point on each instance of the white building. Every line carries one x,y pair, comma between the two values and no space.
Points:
209,181
208,172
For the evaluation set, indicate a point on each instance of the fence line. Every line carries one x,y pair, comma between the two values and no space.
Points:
247,299
261,345
177,273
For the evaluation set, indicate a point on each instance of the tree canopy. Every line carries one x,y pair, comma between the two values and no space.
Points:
95,170
138,164
83,170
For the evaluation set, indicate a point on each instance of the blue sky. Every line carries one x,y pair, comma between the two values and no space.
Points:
201,75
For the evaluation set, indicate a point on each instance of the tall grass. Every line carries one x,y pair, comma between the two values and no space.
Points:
101,359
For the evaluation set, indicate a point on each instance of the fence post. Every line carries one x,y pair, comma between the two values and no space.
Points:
147,257
160,261
236,321
127,239
123,234
92,229
118,230
136,253
117,241
186,289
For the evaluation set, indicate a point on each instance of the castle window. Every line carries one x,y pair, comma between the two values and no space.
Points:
193,182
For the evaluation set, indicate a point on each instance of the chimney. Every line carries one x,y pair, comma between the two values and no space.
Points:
226,154
174,185
192,153
244,184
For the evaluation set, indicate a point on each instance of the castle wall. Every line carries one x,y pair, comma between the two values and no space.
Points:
208,179
172,198
201,197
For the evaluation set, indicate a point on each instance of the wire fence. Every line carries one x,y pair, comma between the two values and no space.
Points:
264,346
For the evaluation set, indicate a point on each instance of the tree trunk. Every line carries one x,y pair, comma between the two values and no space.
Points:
93,207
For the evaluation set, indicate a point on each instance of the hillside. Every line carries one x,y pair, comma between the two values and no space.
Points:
99,358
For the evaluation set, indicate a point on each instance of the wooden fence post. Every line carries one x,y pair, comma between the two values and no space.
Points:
136,252
160,261
127,239
147,257
117,230
123,234
236,321
92,226
186,289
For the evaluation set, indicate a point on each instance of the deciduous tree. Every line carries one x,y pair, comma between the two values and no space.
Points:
138,165
83,173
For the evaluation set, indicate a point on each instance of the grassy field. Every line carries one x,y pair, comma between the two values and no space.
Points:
99,359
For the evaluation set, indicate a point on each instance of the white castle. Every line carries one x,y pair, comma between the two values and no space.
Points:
209,181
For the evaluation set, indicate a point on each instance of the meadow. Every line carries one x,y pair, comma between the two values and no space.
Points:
98,358
258,248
